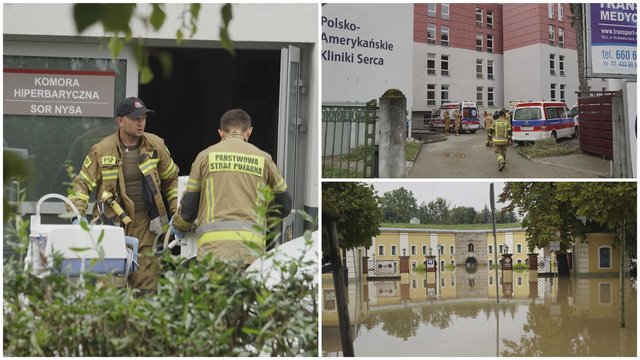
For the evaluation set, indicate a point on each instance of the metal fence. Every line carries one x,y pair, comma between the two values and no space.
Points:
349,143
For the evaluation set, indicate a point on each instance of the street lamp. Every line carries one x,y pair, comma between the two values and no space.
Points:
430,250
506,249
404,251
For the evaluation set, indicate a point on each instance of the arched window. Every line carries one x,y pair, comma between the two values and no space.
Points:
441,265
413,267
604,257
470,248
393,250
381,250
413,249
424,249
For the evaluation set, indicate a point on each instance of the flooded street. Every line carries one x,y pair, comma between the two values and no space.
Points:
457,315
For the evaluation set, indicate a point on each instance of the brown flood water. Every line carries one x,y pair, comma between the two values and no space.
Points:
458,316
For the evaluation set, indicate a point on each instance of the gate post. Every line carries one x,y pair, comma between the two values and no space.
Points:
393,105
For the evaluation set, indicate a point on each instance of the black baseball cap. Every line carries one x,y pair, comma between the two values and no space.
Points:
132,107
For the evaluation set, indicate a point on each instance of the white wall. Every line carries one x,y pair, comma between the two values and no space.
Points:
462,79
353,82
251,22
528,76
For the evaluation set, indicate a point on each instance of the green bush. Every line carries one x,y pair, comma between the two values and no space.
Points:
210,308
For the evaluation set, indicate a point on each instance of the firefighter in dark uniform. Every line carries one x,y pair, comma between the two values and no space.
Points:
500,136
134,176
222,191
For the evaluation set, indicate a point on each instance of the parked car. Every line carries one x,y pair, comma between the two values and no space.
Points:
533,121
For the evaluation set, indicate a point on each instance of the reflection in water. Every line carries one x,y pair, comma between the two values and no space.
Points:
460,317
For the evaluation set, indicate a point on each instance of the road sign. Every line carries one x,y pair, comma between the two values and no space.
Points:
554,246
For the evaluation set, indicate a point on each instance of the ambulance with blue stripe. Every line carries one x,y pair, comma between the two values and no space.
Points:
533,121
469,121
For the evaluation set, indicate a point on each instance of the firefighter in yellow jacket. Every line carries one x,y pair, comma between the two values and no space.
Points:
457,122
447,122
222,192
500,136
134,177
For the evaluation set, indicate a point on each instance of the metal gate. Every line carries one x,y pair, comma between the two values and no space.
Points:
595,124
349,143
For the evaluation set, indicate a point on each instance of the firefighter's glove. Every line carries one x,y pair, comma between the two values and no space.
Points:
175,232
76,220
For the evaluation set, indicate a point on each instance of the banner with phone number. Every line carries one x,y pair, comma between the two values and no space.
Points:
614,28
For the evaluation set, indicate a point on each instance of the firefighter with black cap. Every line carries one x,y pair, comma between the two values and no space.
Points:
222,193
500,136
136,185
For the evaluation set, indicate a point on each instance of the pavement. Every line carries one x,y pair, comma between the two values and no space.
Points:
466,156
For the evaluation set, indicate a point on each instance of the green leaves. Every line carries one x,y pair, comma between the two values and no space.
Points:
225,38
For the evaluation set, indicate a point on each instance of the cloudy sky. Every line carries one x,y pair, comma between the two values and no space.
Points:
458,193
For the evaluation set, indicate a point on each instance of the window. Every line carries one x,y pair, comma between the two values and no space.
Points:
431,34
393,250
413,268
479,95
443,282
441,247
479,68
490,278
413,249
562,97
519,248
560,12
470,248
479,42
604,293
499,249
552,35
490,263
424,249
604,257
451,249
444,97
431,9
490,19
444,36
490,252
561,37
552,64
381,250
444,11
551,11
561,64
490,96
441,265
431,64
490,69
519,261
489,43
553,92
444,65
519,282
453,263
478,17
431,94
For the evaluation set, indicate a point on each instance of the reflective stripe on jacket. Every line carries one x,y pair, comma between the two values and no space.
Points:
222,191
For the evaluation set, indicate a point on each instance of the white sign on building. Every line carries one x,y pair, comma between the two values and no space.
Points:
366,50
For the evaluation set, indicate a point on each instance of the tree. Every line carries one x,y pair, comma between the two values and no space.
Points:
576,18
356,209
563,211
436,211
399,206
462,215
116,19
483,216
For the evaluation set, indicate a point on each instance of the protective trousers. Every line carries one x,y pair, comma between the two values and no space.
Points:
501,153
228,250
147,275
